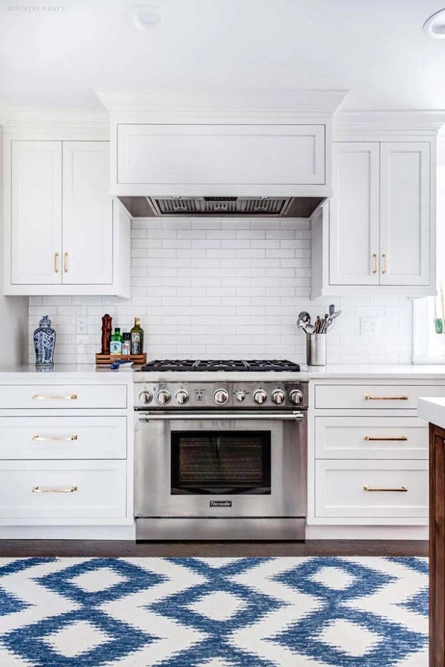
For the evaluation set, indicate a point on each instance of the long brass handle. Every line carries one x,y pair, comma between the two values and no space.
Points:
56,262
41,438
65,262
384,263
374,258
403,397
395,438
372,489
38,397
70,489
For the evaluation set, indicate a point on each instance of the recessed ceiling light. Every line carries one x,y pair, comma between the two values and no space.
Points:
435,25
143,17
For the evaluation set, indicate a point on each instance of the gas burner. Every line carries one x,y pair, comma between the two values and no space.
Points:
223,365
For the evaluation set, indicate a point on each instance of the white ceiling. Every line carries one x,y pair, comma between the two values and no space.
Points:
374,48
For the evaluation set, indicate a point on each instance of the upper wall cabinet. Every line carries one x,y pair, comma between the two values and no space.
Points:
376,235
64,234
154,159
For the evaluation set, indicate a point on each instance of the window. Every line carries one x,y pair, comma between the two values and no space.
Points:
429,313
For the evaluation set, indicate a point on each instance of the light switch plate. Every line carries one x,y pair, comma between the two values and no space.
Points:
370,326
81,325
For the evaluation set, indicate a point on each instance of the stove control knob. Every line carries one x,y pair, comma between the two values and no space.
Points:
240,395
221,396
260,396
278,396
163,397
145,397
296,396
182,396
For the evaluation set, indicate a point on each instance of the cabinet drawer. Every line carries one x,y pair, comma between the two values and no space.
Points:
340,489
63,396
62,489
63,437
365,396
371,438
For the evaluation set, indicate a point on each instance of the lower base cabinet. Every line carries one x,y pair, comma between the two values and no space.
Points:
371,489
62,489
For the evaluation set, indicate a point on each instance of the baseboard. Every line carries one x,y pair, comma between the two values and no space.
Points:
67,532
366,532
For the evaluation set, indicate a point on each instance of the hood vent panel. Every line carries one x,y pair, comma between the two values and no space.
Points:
219,205
282,207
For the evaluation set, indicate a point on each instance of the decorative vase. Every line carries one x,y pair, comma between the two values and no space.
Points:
45,342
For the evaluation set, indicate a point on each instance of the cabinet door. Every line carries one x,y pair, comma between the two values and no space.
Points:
36,214
87,214
405,213
354,214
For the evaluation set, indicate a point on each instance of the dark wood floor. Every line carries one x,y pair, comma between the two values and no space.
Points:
18,548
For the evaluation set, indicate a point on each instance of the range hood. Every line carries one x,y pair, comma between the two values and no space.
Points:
283,207
245,153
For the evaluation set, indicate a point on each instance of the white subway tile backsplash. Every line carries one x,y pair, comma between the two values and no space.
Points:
222,287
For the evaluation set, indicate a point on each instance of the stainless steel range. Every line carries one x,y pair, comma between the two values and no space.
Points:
221,449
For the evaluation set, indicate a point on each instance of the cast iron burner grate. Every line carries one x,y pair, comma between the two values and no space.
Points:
224,365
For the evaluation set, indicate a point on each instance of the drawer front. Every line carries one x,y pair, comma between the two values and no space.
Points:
373,397
394,489
371,438
62,489
63,396
63,437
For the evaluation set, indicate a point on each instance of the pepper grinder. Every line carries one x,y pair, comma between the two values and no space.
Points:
106,333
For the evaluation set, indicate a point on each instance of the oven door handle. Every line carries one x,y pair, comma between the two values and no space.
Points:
288,416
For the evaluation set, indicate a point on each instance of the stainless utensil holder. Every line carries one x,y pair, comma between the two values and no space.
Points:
316,349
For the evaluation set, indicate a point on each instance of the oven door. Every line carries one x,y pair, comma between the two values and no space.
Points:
214,465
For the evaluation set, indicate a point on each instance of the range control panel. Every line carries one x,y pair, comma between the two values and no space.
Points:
234,395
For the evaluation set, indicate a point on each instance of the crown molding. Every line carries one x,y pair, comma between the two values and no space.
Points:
255,104
54,121
410,122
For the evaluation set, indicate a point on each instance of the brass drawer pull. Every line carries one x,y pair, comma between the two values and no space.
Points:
395,438
41,438
38,397
385,263
371,489
37,489
374,259
368,397
65,262
56,262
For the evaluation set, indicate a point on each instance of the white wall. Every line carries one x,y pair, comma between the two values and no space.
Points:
13,309
209,287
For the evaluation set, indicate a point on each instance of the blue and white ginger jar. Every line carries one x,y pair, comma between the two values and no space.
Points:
45,342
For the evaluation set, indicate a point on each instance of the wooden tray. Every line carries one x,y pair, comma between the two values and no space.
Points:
107,359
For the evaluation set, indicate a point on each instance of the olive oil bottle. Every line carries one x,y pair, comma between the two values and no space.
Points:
137,337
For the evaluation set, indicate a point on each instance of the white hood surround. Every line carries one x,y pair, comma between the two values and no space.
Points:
254,153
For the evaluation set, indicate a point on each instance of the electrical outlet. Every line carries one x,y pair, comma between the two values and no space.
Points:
370,326
81,325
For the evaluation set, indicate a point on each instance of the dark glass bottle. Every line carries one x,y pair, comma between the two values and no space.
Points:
137,337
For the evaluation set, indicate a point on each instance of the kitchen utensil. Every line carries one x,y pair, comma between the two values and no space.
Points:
304,316
331,309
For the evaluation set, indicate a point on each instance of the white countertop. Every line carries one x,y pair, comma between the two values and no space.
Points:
432,410
402,371
332,371
59,372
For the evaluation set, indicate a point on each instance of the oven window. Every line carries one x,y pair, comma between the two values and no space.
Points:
215,462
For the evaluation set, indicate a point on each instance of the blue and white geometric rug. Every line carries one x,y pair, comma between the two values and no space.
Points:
214,612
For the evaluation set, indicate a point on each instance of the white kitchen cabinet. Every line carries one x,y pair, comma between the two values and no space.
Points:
404,213
217,159
354,214
87,214
36,215
64,234
377,234
66,455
